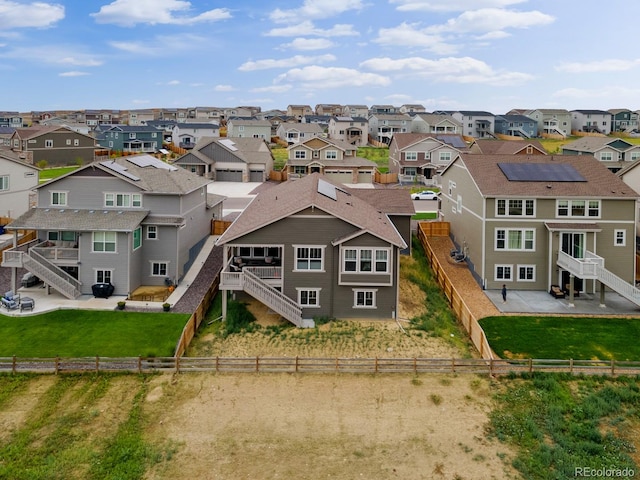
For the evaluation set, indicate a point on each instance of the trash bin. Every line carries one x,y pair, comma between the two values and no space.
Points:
102,290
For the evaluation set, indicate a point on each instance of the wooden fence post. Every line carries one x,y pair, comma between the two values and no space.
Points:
613,366
571,366
97,364
177,364
296,363
13,366
531,365
415,365
376,365
139,364
217,363
257,363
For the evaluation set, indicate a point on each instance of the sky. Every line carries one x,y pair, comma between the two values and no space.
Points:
491,55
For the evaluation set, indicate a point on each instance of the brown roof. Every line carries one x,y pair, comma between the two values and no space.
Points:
294,196
491,181
391,201
404,140
506,147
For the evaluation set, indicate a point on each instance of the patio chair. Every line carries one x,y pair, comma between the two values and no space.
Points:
9,304
12,296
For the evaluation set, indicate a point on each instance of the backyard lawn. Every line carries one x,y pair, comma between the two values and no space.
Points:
49,173
578,338
84,333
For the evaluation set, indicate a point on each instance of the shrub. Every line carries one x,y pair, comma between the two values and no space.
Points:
42,164
239,318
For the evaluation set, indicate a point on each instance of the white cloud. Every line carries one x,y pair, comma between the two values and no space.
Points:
307,28
610,65
450,70
173,82
407,35
224,88
271,89
73,74
161,45
53,55
29,15
128,13
285,62
308,44
315,9
492,20
332,77
451,5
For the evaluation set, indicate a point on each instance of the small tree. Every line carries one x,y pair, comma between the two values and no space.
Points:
79,161
42,164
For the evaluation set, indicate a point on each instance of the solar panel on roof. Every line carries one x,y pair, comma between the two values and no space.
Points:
149,161
116,167
540,172
455,142
230,144
327,189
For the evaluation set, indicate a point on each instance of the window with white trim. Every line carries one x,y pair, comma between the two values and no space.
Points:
503,272
309,258
103,276
606,156
526,273
634,156
76,142
365,260
48,144
59,199
515,208
459,204
4,182
152,232
159,269
300,154
104,242
445,157
364,298
578,208
309,297
124,200
132,135
331,154
411,156
137,238
620,238
515,239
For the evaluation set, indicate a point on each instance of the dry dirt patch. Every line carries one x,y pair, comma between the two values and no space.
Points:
325,426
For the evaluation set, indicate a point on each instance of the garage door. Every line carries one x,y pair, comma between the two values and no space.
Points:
228,175
341,176
256,176
365,177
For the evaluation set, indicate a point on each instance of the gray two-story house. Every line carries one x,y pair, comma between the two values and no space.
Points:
17,182
252,128
131,221
57,145
131,138
312,248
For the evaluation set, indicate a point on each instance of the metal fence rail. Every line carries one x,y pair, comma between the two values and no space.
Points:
316,365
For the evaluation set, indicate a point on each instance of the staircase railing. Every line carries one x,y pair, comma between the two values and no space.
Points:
619,285
51,274
273,298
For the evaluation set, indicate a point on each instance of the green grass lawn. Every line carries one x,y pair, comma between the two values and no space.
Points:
280,157
378,155
49,173
425,216
84,333
580,338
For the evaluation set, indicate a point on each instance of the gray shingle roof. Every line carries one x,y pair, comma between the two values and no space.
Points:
79,220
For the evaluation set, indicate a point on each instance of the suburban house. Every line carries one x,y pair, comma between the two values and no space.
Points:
435,123
139,116
551,121
57,145
229,159
17,182
383,109
131,138
355,111
130,221
353,130
475,123
312,248
624,120
412,108
102,117
420,157
5,136
489,146
592,121
11,119
534,221
299,111
298,132
240,127
383,126
328,109
186,135
615,153
337,160
516,126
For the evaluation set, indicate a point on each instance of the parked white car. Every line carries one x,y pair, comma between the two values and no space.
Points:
425,195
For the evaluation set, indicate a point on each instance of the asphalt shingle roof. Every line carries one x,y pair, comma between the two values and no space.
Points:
79,220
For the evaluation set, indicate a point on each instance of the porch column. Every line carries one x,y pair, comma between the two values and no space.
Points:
571,289
602,287
14,270
224,304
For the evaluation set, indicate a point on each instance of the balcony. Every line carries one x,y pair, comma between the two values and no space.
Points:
585,268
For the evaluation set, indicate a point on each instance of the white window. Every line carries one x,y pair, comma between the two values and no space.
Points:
578,208
452,186
526,273
515,208
137,238
68,141
4,182
331,154
309,297
515,239
76,142
104,276
122,200
503,272
459,204
159,269
606,156
309,258
411,156
104,241
364,298
48,144
300,154
365,260
445,157
59,199
620,238
132,135
152,232
635,156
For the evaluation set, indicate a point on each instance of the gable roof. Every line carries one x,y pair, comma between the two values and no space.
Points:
405,140
593,144
291,197
11,156
506,147
247,149
492,182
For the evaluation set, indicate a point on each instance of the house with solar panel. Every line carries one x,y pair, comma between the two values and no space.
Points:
420,157
314,248
531,222
129,221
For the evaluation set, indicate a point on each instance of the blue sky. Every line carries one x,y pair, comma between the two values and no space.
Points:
444,54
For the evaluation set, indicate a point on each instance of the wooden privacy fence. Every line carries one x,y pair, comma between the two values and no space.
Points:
458,305
218,227
278,176
316,365
385,178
